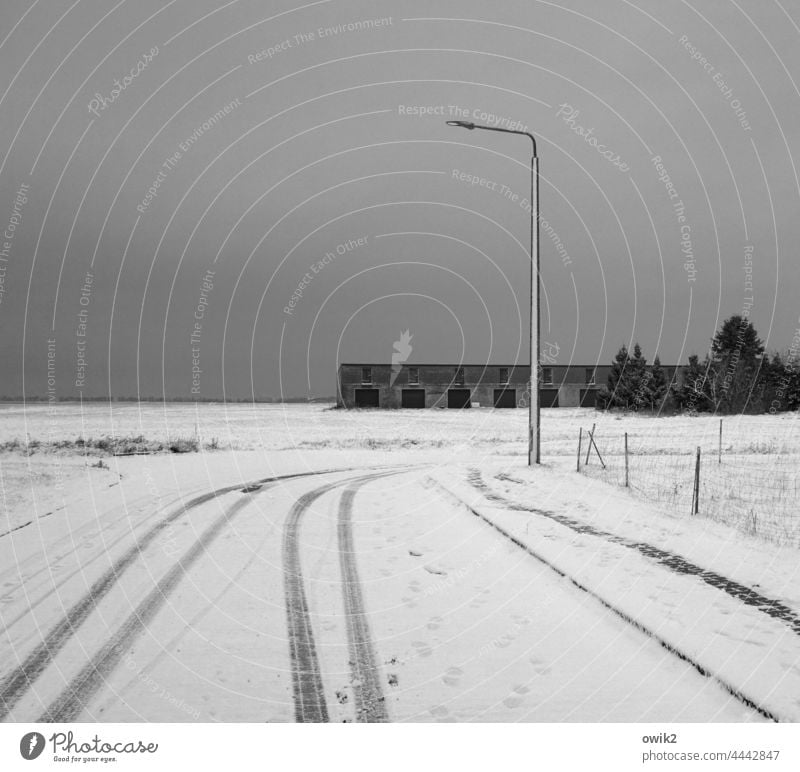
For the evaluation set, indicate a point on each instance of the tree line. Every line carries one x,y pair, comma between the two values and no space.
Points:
737,375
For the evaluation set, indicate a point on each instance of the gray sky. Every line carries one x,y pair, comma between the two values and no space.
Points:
269,145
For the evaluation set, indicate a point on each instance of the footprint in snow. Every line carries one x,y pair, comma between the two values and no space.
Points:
434,570
452,676
423,648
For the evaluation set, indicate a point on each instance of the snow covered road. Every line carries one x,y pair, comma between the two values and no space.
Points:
368,594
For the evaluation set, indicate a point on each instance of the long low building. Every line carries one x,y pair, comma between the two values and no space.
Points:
461,386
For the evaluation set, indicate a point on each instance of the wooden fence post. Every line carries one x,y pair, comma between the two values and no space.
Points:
720,441
580,439
696,491
589,446
626,459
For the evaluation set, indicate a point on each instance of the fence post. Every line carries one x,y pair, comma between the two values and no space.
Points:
720,441
589,446
580,439
626,459
696,491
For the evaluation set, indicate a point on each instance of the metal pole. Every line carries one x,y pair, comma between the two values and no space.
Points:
580,439
720,442
534,444
696,497
534,434
626,459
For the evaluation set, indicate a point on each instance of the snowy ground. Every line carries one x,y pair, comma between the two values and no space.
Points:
463,586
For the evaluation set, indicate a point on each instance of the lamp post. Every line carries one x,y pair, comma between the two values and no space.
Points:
533,409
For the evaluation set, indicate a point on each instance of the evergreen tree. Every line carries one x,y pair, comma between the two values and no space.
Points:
736,377
614,393
637,379
657,387
693,393
782,383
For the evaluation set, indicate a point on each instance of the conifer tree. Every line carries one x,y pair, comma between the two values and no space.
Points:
657,387
616,392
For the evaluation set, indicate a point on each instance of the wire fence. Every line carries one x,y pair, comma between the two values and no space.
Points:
748,484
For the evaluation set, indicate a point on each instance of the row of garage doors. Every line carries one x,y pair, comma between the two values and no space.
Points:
461,398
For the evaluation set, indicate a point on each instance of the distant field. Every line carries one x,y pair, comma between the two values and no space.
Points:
755,488
277,427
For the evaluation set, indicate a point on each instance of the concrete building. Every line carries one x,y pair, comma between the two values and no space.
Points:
460,386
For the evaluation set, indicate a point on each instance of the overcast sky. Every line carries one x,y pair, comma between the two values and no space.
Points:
169,231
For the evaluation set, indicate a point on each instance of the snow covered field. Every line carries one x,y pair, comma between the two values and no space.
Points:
411,568
755,489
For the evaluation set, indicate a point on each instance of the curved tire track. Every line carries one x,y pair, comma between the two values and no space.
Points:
309,696
369,698
73,698
670,560
682,655
17,682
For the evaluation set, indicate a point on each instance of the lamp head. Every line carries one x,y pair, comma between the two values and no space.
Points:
462,124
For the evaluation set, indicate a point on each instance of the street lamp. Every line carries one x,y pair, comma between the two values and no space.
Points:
533,405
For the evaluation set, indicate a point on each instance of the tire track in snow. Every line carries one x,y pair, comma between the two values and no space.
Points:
682,655
55,561
369,698
73,698
308,692
18,681
674,562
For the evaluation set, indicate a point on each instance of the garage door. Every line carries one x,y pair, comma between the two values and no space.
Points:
458,398
588,397
367,398
505,397
548,397
413,398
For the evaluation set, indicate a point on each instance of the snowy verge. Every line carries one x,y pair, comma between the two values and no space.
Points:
740,645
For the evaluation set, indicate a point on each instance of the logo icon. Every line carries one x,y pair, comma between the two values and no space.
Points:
401,353
31,745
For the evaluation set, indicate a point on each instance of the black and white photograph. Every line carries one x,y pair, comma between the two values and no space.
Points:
432,362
